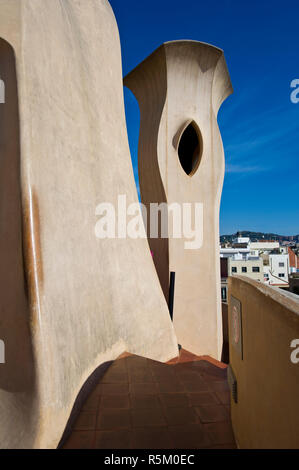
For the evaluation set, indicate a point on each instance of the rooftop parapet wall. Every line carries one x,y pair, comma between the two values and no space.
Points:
267,412
69,301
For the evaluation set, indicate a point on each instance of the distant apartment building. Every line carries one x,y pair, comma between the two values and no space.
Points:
294,283
283,250
230,266
239,253
224,276
252,268
294,261
241,240
264,246
263,260
276,269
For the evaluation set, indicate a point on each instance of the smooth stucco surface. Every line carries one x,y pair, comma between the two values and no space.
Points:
267,412
185,82
69,301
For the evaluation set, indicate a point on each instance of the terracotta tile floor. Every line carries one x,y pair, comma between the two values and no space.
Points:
143,404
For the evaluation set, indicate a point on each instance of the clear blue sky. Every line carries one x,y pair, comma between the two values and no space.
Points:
259,124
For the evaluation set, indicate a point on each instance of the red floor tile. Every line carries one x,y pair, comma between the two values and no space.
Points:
176,416
144,417
113,419
191,436
202,398
152,438
86,421
116,439
174,400
80,440
112,389
171,386
115,401
92,402
195,386
141,400
212,413
144,388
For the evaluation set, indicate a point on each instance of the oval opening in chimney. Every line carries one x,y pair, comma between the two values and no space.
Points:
190,149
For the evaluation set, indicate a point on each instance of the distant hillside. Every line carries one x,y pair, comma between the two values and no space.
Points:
259,236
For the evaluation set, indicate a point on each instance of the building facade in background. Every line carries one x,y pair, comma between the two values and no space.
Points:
266,261
276,269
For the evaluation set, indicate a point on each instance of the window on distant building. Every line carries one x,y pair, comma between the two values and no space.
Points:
223,294
266,276
255,269
281,265
234,269
244,269
281,274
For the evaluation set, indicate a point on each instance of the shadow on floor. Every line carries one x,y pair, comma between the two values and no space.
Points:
143,404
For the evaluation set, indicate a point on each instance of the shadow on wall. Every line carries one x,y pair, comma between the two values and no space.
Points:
225,347
151,191
17,374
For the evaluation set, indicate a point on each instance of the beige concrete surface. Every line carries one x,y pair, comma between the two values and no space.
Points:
183,83
69,301
267,412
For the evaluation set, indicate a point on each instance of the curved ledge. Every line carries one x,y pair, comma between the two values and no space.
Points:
284,298
265,364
